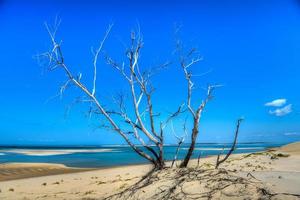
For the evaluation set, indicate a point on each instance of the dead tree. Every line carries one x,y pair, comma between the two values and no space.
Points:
232,146
187,60
145,137
141,90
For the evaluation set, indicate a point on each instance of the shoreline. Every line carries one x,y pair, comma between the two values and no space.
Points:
60,169
48,169
279,170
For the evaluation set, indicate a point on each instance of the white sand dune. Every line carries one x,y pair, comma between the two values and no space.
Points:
293,148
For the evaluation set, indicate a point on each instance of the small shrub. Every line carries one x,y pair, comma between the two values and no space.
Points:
89,192
100,182
283,155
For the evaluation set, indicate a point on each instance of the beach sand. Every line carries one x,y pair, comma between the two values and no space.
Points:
12,171
276,170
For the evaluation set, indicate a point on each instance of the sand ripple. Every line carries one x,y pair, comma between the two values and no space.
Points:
13,171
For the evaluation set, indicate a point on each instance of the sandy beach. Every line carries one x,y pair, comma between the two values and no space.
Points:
277,170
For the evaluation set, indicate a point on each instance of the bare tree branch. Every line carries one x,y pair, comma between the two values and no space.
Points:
96,54
232,146
196,121
56,59
174,115
134,76
180,141
198,160
137,126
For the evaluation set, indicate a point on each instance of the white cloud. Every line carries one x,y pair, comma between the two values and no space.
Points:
291,133
281,111
276,103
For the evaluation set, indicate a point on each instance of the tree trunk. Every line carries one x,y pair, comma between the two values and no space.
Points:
192,146
161,161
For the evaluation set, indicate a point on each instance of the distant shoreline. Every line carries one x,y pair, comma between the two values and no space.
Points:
123,156
120,145
45,169
53,152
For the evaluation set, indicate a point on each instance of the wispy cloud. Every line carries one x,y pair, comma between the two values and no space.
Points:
276,103
282,111
291,133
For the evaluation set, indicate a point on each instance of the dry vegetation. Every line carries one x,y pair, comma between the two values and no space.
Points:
234,181
195,183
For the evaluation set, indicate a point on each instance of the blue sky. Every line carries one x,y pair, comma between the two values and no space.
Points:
252,48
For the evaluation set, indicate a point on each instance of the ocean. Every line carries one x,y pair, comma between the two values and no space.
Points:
112,155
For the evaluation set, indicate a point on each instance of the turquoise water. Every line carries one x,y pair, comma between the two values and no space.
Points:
92,157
